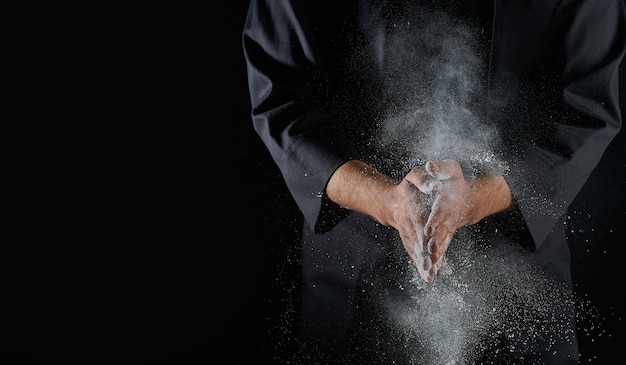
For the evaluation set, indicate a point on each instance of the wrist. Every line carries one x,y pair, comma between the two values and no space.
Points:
359,187
489,195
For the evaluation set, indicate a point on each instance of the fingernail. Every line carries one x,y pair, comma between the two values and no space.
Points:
431,168
431,247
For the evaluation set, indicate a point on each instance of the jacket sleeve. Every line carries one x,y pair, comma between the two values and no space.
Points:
567,107
288,55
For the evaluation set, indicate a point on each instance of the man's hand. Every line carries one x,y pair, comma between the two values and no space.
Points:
411,207
399,204
457,203
451,206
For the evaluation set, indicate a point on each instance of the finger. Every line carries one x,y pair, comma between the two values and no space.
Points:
434,255
420,178
424,264
443,169
438,216
428,277
430,274
432,246
433,273
439,242
424,261
422,258
438,264
435,219
419,234
429,185
423,180
438,258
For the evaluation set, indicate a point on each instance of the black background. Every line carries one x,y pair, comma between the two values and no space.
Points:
181,245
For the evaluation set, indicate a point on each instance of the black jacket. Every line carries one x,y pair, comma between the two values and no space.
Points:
560,57
337,80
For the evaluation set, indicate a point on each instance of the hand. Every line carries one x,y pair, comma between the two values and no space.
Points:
400,204
411,207
458,203
451,208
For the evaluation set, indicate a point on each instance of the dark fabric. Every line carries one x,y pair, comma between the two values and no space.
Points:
361,303
316,72
557,62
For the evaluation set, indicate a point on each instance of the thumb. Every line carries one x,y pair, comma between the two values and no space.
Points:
444,169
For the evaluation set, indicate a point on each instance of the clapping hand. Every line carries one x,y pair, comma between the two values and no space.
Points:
449,207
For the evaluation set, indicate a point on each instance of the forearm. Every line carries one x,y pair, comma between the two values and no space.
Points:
359,187
489,195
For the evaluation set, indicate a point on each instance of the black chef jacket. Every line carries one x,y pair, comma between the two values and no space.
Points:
317,70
